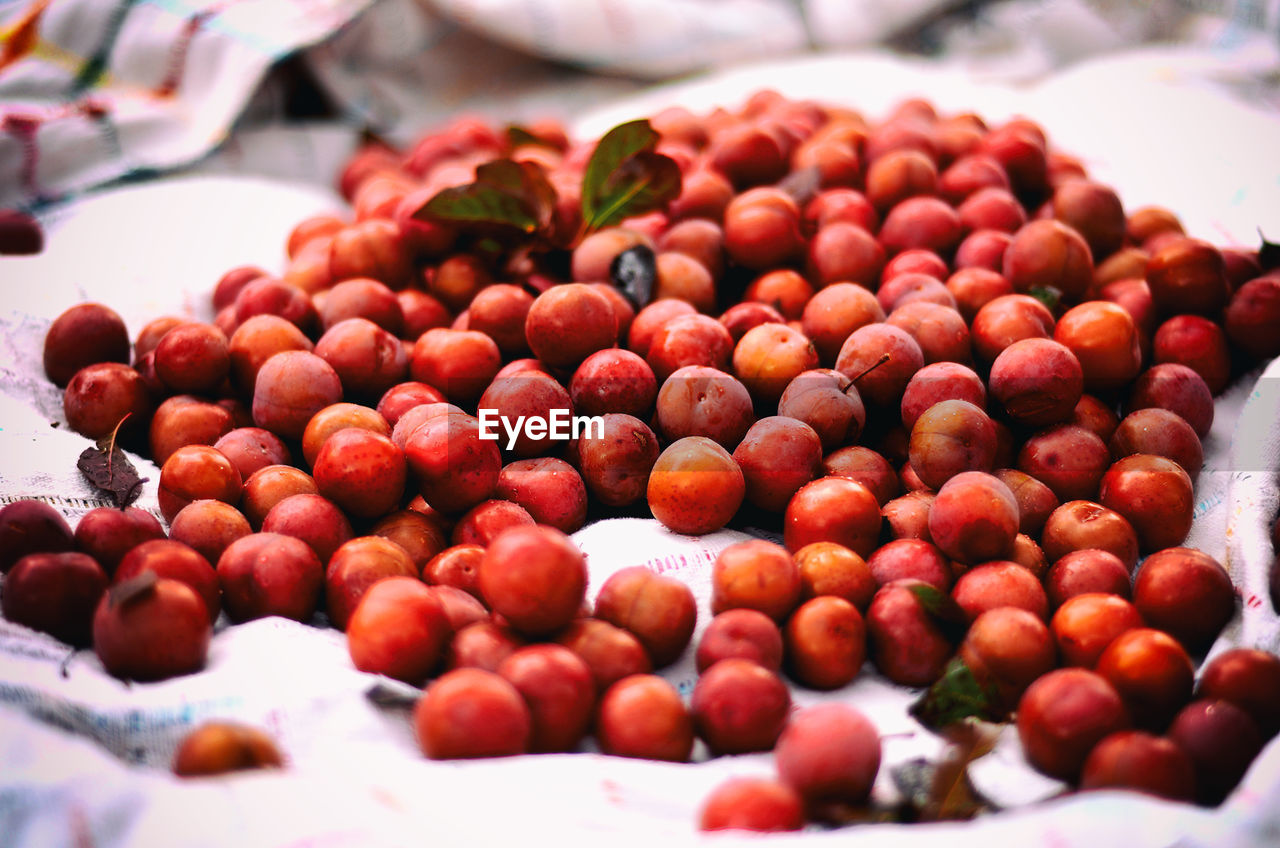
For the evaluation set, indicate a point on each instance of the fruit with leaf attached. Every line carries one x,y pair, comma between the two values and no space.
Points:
908,642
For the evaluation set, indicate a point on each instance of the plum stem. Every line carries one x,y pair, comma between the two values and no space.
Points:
884,357
130,590
108,445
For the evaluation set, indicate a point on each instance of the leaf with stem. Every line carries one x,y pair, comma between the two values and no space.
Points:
625,177
510,202
107,468
958,695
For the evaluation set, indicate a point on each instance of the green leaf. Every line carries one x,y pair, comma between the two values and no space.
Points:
526,181
943,609
614,147
478,203
518,136
625,177
1048,295
644,183
505,196
956,696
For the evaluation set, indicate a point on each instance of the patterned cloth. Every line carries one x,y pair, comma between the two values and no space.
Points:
96,91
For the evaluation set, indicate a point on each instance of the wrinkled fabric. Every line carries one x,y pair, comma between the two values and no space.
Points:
95,91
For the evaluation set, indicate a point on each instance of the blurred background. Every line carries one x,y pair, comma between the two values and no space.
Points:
95,92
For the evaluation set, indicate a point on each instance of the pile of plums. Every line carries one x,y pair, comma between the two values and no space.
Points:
966,386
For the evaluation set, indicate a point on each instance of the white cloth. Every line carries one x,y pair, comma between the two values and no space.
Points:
355,776
112,90
84,756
